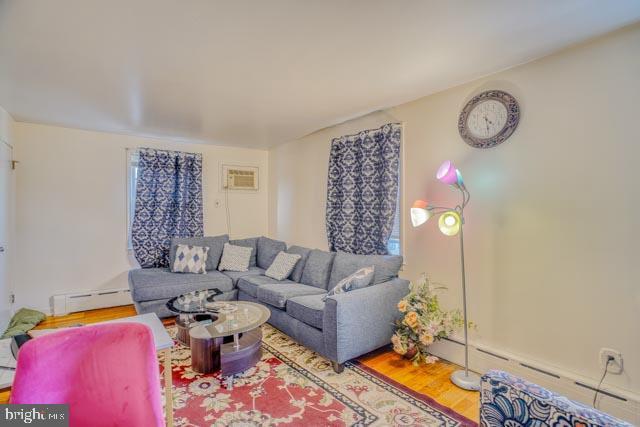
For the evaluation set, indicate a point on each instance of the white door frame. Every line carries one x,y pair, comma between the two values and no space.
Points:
7,199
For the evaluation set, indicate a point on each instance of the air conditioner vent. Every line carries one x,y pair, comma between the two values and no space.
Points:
239,177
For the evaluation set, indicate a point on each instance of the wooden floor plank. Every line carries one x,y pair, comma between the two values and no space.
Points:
431,380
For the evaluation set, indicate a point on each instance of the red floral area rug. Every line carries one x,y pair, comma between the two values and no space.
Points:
293,386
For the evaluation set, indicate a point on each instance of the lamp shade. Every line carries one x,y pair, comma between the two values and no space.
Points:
420,213
447,173
449,223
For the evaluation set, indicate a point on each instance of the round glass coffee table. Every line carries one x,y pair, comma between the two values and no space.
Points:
193,308
232,343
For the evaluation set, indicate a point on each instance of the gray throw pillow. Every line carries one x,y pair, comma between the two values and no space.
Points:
251,242
190,259
386,266
282,266
360,279
235,258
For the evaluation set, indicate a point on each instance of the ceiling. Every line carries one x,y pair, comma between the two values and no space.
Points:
259,73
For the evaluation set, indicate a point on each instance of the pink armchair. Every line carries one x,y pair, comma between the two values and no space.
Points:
108,374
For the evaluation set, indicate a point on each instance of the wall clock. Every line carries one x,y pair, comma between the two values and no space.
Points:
489,119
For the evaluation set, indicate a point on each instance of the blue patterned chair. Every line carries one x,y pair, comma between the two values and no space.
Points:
506,400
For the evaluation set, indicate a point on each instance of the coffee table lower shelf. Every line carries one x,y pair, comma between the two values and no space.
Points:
214,354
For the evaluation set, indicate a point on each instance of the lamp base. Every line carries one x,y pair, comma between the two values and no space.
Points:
464,381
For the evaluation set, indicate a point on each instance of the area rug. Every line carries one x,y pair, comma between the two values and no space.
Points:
294,386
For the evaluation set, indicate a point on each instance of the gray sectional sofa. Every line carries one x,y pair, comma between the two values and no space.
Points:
343,327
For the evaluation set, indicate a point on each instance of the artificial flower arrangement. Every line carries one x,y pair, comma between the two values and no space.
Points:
424,322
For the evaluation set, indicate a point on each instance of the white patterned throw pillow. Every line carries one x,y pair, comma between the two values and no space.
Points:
235,258
190,259
360,279
282,265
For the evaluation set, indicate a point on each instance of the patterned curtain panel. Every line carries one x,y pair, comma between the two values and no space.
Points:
168,203
363,189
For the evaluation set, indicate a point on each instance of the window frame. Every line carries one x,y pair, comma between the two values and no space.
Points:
400,200
132,157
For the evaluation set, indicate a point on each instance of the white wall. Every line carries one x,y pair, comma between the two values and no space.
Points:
7,216
6,127
552,228
71,206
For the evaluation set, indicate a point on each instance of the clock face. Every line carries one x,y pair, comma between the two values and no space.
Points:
487,119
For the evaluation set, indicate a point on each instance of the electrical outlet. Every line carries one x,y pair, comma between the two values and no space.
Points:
615,365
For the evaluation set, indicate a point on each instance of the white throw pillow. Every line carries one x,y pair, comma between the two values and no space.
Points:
360,279
235,258
190,259
282,265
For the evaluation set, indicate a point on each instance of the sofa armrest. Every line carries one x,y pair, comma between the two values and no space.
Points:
362,320
506,399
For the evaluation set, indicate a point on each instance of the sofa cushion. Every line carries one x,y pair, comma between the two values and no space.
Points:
386,267
318,268
277,294
268,249
214,243
237,275
158,283
250,284
296,274
308,309
252,243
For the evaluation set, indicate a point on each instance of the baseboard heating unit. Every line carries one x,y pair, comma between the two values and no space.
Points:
89,300
619,402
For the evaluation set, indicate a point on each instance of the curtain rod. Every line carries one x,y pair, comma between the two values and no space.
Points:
158,149
381,111
401,124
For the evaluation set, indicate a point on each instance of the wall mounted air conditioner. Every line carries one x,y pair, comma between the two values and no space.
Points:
236,177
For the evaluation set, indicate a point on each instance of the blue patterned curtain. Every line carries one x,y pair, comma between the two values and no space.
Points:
168,203
362,190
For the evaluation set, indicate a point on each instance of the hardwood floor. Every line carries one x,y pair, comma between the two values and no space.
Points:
432,380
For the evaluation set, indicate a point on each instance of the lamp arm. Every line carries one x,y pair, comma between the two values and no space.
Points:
439,209
466,196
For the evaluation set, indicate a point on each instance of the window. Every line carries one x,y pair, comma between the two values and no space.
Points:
132,177
394,245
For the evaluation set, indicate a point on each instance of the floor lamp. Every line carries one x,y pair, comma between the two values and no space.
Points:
450,223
